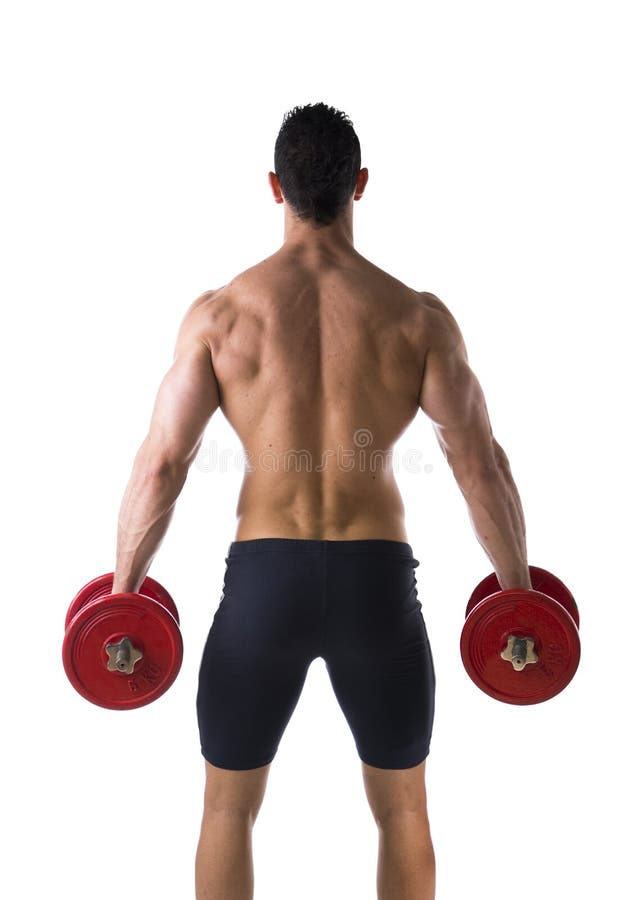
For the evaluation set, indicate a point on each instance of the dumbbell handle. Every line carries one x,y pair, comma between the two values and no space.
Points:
520,652
123,656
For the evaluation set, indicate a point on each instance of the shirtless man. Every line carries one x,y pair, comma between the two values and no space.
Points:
319,360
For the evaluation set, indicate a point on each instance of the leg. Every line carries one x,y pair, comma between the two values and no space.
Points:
252,672
381,669
406,863
224,861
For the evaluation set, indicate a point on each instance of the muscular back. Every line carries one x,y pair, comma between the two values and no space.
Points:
319,366
319,361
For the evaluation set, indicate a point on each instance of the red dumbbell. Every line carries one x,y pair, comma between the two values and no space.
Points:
122,651
521,646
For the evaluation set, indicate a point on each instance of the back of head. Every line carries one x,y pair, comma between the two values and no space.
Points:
317,159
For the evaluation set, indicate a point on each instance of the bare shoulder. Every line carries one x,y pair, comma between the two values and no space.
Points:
437,311
202,314
255,276
440,324
201,303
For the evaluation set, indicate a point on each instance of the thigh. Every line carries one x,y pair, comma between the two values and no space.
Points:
255,661
379,660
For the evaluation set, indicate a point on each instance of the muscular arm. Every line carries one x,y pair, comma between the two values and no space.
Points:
452,398
187,398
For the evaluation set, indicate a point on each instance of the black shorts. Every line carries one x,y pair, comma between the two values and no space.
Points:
285,602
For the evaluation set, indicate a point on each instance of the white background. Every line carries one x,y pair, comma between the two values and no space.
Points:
137,141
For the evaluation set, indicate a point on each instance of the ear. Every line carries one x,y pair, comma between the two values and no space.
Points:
362,181
275,187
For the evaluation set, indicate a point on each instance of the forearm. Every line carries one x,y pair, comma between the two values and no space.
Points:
145,514
497,517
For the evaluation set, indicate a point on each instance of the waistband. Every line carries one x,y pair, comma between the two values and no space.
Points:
301,545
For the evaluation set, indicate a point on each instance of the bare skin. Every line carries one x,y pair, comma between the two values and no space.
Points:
319,360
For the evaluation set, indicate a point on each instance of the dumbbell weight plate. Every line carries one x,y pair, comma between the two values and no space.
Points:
101,587
541,580
524,614
106,620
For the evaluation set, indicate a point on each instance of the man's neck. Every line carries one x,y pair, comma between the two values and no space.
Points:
338,236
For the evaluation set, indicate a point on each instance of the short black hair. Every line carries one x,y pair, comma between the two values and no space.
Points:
317,158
